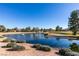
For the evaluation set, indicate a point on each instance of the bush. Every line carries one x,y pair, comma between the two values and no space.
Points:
6,47
44,48
64,51
9,45
41,47
17,48
13,47
36,46
1,36
19,41
6,40
68,52
74,47
9,40
12,40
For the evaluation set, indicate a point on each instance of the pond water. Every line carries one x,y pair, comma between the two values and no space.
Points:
45,40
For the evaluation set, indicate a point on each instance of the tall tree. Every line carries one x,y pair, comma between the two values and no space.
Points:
28,29
2,28
22,30
35,29
73,22
58,28
17,30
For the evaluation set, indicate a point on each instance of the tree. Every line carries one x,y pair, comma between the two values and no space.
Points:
73,22
50,30
35,29
8,30
41,29
44,30
58,28
27,29
22,30
17,30
2,28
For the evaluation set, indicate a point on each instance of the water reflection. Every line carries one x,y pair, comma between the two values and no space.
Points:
73,39
40,38
57,38
46,37
35,36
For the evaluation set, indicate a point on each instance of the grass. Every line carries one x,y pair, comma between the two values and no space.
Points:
64,33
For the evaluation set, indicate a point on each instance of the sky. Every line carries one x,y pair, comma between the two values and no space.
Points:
42,15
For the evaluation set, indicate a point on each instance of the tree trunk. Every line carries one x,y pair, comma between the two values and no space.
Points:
75,32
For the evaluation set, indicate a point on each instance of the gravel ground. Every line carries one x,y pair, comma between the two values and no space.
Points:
28,52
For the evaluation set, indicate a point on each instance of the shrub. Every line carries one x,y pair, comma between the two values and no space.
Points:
12,40
6,40
68,52
5,47
41,47
74,47
17,48
64,51
19,41
36,46
9,45
44,48
13,47
1,36
9,40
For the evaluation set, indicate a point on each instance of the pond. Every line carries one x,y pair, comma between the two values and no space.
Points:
56,42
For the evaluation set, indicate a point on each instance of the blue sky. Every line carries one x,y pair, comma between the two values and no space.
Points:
41,15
